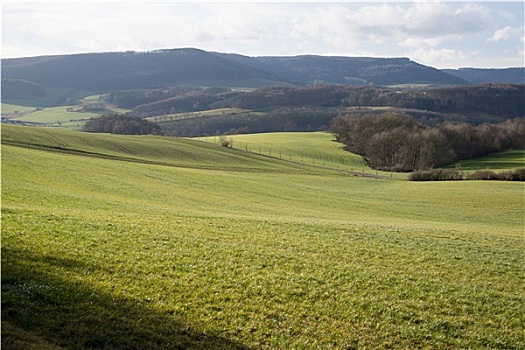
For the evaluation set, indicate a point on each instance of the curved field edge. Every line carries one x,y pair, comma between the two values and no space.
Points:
319,149
99,253
511,159
146,149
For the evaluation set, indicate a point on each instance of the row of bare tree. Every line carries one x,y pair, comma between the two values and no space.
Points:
397,142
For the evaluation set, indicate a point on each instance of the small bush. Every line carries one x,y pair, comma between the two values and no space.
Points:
518,174
483,175
509,175
436,175
225,142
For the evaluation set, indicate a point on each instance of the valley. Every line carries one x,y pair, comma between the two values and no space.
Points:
185,199
114,241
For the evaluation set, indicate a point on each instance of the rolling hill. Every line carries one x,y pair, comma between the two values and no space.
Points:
146,242
132,70
156,150
514,75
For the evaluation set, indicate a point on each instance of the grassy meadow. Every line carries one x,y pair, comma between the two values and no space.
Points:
142,242
45,112
7,108
511,159
313,148
191,115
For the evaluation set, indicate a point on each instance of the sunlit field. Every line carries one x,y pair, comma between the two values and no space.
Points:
115,242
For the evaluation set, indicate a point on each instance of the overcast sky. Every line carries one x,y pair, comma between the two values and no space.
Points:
439,34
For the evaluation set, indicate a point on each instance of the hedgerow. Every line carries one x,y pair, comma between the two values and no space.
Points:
454,175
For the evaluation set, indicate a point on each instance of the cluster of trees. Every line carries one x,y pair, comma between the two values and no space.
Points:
397,142
121,124
501,99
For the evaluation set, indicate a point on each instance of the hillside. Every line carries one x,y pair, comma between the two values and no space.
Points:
308,69
154,150
511,159
311,108
129,70
483,76
127,250
133,70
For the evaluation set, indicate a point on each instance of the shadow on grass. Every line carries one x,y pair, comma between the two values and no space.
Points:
75,316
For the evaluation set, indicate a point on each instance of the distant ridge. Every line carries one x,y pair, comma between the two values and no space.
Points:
308,69
131,70
515,75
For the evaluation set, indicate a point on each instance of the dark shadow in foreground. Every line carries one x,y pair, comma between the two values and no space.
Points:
77,317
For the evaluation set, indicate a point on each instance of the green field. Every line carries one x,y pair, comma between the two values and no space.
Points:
9,109
56,115
219,112
497,161
313,148
115,242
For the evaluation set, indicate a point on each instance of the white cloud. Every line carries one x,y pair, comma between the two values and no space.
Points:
441,57
417,42
381,17
503,34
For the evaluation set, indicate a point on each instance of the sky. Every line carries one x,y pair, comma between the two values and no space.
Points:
440,34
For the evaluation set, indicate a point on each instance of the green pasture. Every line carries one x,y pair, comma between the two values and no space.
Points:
219,112
506,160
53,115
7,108
314,148
149,149
115,242
57,115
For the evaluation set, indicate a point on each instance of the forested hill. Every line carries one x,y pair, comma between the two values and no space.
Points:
128,70
514,75
308,69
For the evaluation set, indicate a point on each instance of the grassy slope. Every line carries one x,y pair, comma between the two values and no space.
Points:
497,161
191,115
50,114
10,108
320,148
149,149
100,253
314,148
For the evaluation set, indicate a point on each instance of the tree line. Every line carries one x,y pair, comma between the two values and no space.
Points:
500,100
397,142
121,124
505,100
